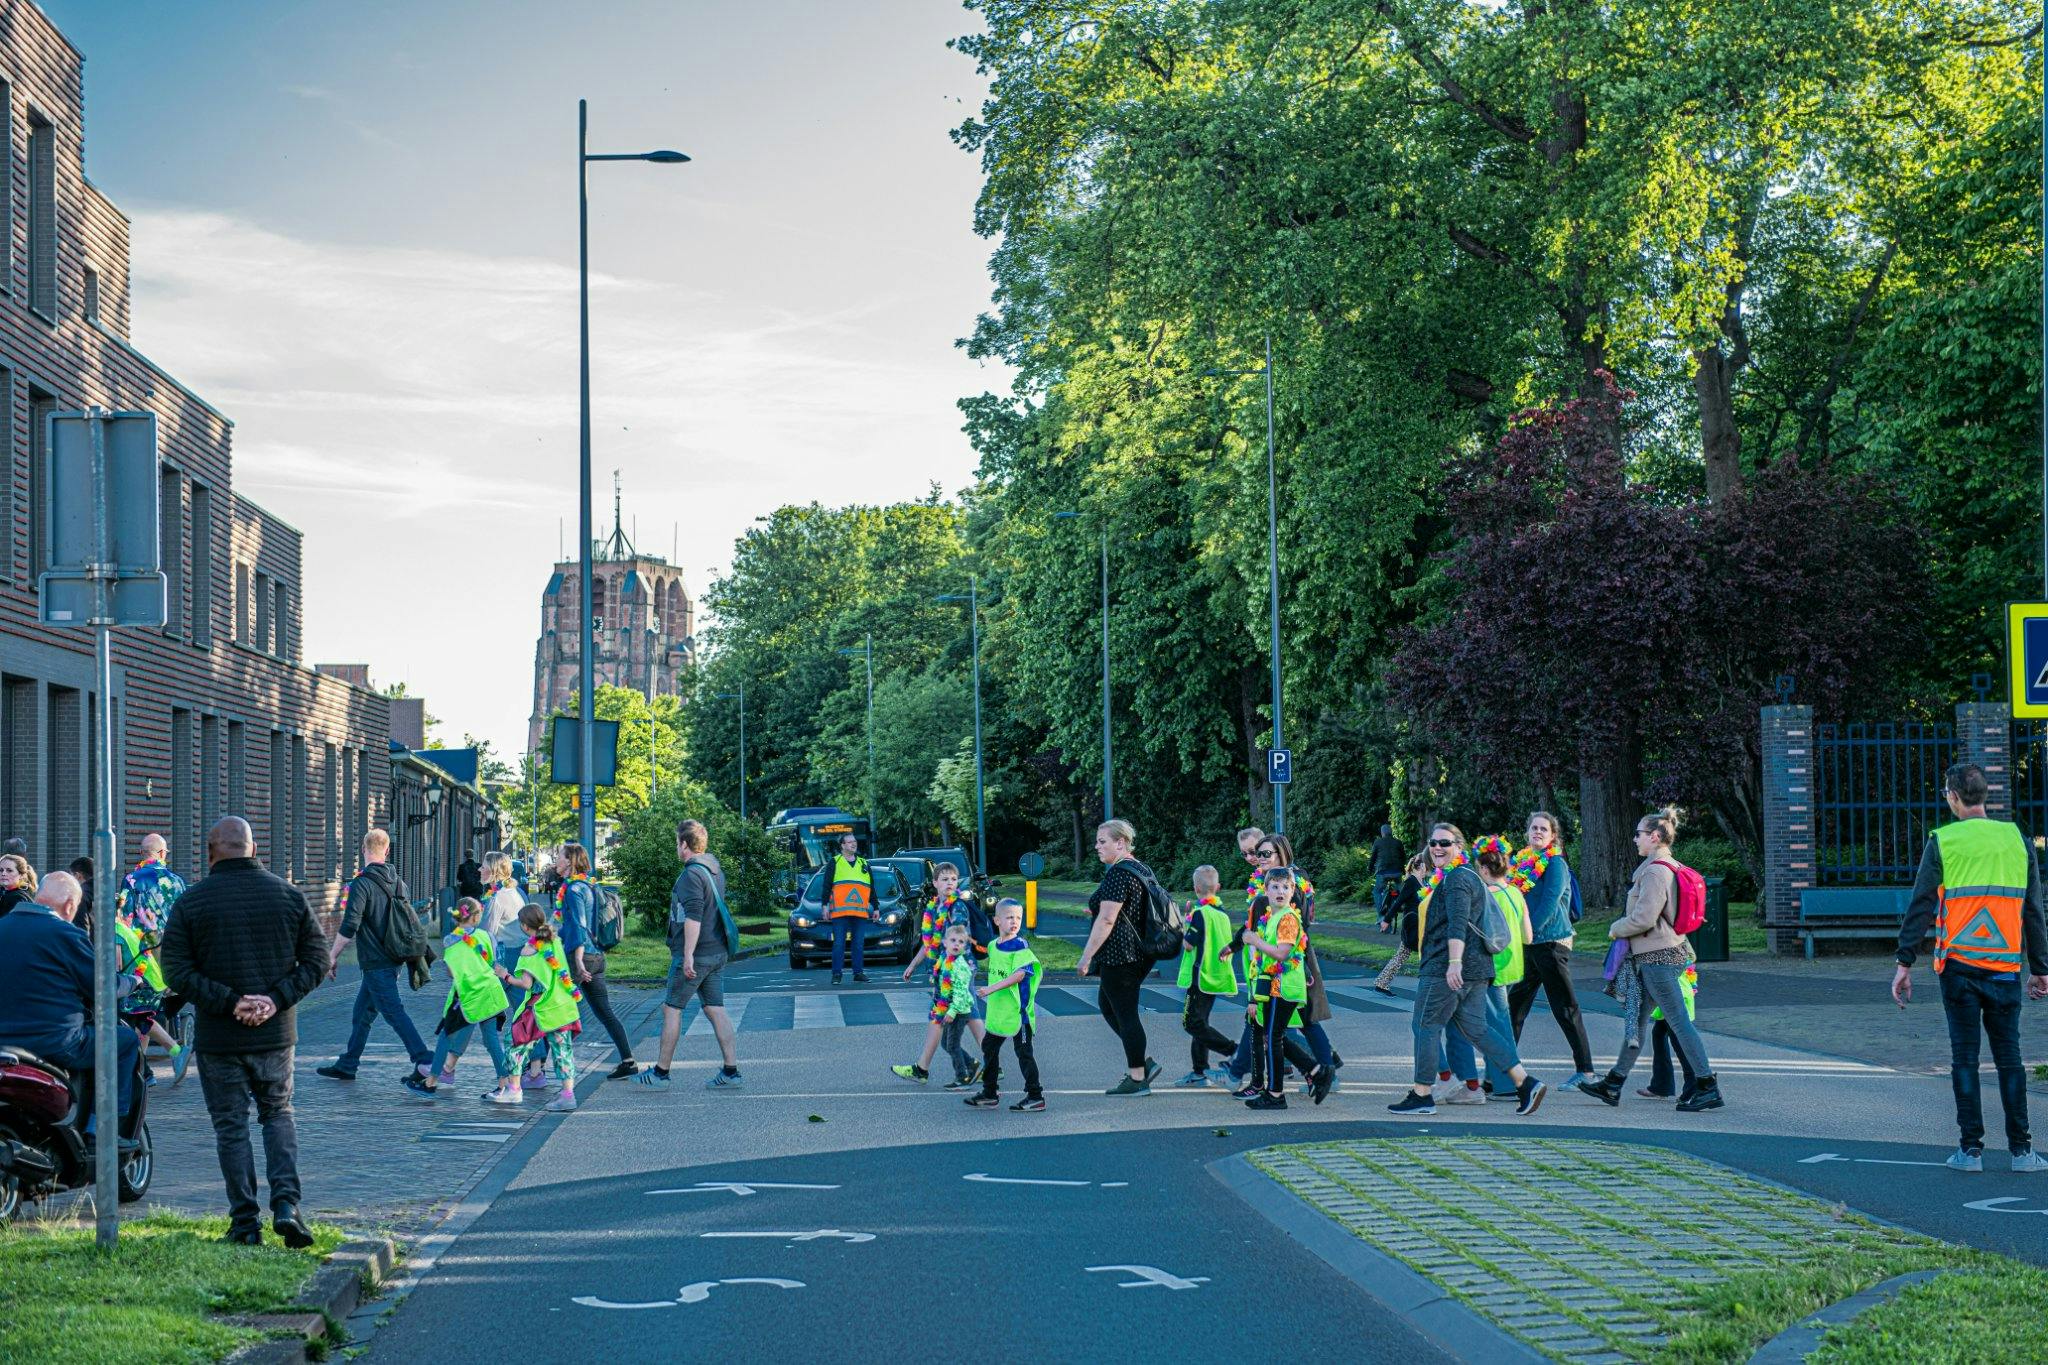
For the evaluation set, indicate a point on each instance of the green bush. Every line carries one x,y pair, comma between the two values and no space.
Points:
1346,875
644,858
1717,858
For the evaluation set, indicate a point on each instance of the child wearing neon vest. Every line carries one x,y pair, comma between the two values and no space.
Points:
1012,998
949,907
1278,945
952,996
476,1003
1208,972
553,1000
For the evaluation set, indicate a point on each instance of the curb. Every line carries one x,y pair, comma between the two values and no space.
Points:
1803,1337
1448,1324
329,1296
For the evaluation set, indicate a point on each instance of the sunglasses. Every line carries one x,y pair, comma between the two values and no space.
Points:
1443,843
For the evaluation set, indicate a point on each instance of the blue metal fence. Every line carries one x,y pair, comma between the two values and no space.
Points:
2029,775
1877,796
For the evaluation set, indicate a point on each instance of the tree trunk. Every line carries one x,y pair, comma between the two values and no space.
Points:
1608,810
1250,695
1720,439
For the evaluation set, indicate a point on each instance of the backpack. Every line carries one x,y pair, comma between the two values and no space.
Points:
1692,897
1494,933
1159,923
731,930
1578,904
401,933
609,924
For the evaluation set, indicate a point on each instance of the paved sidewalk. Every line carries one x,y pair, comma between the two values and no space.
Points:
372,1155
1588,1251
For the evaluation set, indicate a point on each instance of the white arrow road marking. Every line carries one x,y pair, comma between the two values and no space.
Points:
714,1186
812,1236
700,1291
1009,1180
689,1293
1863,1160
486,1124
1995,1205
465,1137
1151,1275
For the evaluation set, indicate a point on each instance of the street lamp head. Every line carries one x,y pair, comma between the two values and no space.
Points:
951,597
726,696
665,157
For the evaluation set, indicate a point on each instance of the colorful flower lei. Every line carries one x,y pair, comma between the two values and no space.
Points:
1529,866
942,996
1279,967
470,939
550,953
562,894
932,928
1436,879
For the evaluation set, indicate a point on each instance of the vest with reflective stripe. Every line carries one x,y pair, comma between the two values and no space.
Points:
1983,887
853,889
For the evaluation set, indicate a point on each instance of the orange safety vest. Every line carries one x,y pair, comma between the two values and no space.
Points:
1983,891
853,890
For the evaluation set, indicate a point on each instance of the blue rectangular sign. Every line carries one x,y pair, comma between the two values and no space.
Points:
2026,648
1280,766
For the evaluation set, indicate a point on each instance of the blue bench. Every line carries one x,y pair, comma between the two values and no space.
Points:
1851,912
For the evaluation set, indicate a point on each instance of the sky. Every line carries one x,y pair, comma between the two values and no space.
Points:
355,234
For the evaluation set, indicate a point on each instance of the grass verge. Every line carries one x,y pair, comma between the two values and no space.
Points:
642,956
1055,954
153,1301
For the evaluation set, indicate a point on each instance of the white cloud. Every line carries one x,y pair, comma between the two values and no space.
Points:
414,412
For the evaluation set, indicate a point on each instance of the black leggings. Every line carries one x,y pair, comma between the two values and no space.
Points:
599,997
991,1070
1118,1000
1203,1036
1269,1032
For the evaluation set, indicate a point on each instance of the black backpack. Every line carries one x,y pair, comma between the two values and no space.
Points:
610,917
401,933
1159,920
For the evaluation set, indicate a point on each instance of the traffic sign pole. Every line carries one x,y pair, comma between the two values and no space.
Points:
106,1187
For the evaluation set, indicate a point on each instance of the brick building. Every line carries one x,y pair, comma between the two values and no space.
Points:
217,714
644,633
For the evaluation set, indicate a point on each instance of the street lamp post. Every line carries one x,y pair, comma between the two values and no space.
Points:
1108,798
1272,572
868,650
586,684
973,601
741,697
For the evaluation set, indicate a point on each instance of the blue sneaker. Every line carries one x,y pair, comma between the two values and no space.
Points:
722,1078
652,1079
1222,1077
1194,1078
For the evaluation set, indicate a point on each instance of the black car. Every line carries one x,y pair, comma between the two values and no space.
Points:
891,931
970,880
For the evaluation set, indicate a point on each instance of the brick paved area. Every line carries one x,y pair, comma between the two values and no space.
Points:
1585,1250
372,1156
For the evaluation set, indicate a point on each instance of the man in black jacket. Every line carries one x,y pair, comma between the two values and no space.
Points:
244,947
369,903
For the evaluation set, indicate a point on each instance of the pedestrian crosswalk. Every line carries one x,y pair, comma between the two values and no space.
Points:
783,1011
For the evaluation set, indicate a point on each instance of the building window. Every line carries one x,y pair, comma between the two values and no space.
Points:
209,771
42,217
170,531
238,765
241,630
299,803
331,814
7,187
263,617
280,615
200,610
92,294
40,406
280,802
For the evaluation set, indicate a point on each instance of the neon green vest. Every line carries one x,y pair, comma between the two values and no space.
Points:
1292,983
476,985
1008,1007
1218,972
1507,965
553,1006
132,951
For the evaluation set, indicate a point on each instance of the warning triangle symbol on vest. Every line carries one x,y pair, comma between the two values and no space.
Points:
1982,931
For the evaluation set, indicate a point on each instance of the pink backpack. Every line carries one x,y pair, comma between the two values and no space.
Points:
1692,896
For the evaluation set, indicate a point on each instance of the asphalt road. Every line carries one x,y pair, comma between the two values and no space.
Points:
949,1265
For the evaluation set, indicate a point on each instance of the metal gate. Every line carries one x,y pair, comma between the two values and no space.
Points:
1877,797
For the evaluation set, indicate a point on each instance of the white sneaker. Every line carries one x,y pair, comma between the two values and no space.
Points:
562,1103
512,1096
1442,1089
1462,1094
2029,1160
1962,1159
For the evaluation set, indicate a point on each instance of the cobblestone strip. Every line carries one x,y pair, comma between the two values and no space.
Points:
1584,1250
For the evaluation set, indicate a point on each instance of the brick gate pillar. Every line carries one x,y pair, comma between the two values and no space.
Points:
1984,737
1788,820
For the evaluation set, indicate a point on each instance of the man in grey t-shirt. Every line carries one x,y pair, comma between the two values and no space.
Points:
699,944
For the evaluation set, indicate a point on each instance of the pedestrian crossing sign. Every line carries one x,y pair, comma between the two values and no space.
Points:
2026,652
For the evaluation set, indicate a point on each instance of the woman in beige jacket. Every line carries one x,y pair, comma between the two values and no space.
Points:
1657,957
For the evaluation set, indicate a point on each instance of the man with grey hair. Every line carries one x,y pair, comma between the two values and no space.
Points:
46,985
245,947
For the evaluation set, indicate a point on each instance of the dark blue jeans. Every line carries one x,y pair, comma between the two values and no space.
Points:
842,930
1980,1005
378,994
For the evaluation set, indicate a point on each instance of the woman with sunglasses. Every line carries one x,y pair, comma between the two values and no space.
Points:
1454,976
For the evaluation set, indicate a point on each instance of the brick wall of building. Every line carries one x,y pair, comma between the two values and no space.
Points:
208,710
